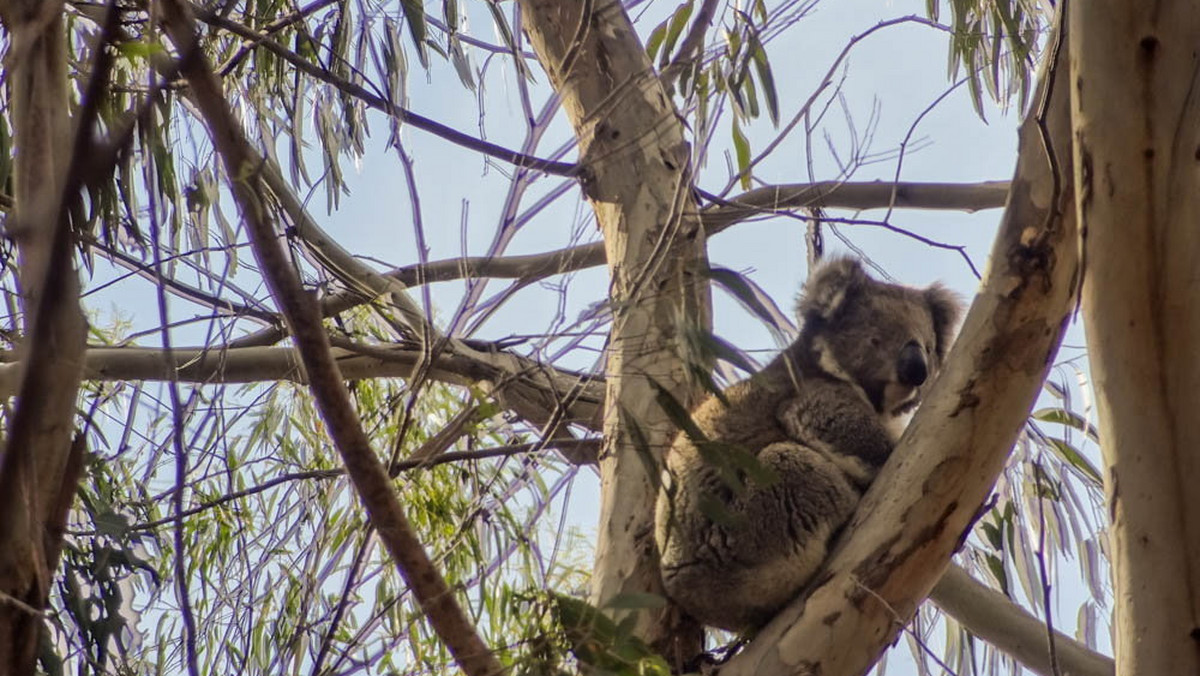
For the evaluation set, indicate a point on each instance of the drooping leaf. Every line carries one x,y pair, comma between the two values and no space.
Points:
414,13
1068,419
1075,459
741,148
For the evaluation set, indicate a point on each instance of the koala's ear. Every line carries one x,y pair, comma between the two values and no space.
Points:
829,286
945,308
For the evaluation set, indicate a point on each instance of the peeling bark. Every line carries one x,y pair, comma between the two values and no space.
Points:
914,516
637,175
1135,105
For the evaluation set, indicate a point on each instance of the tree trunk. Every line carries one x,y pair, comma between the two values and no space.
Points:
1134,95
915,513
637,175
38,469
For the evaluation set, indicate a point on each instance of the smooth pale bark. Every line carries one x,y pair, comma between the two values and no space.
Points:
914,515
759,202
39,464
525,386
993,617
637,175
1135,79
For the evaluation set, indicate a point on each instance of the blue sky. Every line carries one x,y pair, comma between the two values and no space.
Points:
894,76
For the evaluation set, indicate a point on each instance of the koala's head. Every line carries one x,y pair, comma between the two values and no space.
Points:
887,339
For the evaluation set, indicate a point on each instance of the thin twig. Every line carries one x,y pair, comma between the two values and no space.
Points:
370,480
385,106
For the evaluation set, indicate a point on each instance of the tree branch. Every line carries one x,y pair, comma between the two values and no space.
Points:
719,216
402,466
995,618
367,473
515,376
928,494
763,201
39,465
402,114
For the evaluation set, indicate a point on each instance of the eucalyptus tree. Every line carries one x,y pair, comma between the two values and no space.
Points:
245,435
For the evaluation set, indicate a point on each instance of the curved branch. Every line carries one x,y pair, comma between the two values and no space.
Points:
589,445
994,617
764,201
913,516
721,215
371,481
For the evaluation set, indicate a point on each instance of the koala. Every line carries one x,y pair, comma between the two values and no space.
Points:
772,468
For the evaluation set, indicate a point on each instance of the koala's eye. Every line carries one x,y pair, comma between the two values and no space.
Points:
875,341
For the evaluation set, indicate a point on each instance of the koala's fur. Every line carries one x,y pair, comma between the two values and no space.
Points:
820,419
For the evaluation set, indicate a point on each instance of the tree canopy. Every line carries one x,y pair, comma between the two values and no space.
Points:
311,362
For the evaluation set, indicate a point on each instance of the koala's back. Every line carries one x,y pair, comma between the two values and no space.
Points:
747,415
819,421
732,558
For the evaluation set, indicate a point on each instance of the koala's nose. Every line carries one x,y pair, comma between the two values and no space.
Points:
911,368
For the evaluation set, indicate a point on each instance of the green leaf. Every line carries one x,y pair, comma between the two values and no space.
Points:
678,23
751,98
1068,419
414,11
656,39
634,601
992,535
139,49
716,346
995,565
765,78
596,640
641,446
676,412
741,149
1074,458
719,513
506,35
743,291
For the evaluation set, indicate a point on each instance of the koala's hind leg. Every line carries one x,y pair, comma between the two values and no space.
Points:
773,539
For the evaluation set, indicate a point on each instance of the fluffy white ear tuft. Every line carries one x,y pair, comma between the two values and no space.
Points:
946,308
828,287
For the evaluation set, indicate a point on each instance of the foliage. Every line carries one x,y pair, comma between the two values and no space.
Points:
250,543
996,42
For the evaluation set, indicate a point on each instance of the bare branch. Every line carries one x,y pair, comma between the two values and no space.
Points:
994,617
577,445
38,460
329,390
356,362
383,105
901,539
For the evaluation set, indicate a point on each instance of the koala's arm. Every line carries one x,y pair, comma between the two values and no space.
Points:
833,416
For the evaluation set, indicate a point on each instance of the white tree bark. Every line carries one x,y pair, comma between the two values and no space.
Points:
1135,77
914,515
637,175
993,617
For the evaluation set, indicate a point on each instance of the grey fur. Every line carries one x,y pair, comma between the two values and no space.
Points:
738,537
